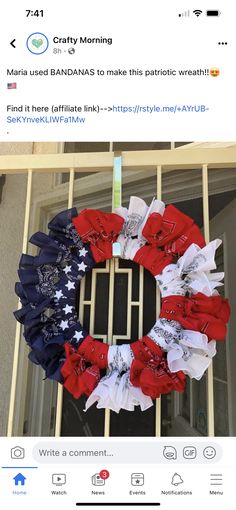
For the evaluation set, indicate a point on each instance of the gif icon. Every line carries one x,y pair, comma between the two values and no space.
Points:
189,452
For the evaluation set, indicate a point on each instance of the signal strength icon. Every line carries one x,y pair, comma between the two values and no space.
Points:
184,14
197,12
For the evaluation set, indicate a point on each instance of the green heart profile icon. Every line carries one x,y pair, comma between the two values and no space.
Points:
37,42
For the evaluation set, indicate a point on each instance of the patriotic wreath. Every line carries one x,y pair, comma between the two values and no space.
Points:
181,343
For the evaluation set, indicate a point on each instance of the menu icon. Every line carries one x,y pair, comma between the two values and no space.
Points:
216,479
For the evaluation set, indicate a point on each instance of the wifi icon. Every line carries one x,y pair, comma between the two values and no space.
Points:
197,12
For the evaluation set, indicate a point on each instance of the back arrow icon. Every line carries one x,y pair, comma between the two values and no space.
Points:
12,43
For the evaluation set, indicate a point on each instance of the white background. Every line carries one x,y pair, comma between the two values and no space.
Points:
157,476
146,35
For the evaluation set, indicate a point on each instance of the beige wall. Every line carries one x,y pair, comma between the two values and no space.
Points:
11,226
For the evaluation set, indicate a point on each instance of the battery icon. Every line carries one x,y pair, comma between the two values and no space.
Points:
213,13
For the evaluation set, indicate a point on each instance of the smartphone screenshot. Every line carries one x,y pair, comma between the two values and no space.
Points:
117,274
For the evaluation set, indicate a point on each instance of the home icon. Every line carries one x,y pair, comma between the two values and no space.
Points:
19,479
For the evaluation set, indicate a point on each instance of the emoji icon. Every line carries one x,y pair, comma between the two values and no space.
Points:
170,453
209,452
214,71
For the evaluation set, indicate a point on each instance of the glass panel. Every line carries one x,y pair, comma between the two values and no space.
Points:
149,302
75,422
101,307
221,409
120,304
140,146
135,423
222,190
185,401
200,406
2,182
86,147
180,144
220,363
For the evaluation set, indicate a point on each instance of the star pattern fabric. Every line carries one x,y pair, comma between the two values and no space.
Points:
182,341
49,282
82,267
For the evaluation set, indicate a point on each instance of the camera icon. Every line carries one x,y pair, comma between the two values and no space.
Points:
17,452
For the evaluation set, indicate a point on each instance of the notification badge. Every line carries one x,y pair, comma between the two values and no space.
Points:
104,474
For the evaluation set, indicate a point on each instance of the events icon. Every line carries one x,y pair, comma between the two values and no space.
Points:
137,479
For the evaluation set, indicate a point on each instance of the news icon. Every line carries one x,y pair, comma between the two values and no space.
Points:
97,480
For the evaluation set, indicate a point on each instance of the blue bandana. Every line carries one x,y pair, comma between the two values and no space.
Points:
47,290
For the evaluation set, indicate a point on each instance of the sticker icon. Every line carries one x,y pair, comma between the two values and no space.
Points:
170,453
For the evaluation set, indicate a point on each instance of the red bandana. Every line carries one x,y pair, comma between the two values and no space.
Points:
94,351
208,315
174,231
77,378
100,229
149,371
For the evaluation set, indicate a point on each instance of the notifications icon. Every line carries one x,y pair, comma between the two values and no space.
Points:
170,453
176,479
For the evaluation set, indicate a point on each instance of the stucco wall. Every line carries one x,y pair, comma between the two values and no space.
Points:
11,226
